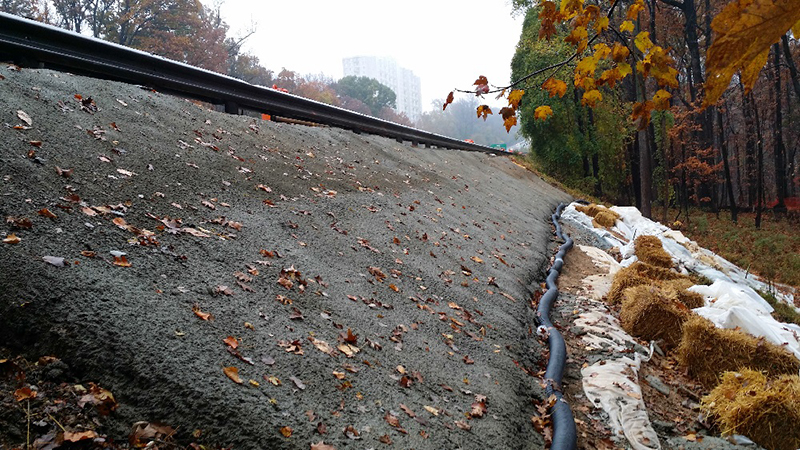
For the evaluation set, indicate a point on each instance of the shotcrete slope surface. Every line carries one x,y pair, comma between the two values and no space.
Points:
428,256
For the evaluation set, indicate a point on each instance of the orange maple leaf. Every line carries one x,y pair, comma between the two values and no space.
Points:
484,111
745,29
555,87
542,112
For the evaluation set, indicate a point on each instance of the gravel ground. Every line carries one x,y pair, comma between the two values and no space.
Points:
289,236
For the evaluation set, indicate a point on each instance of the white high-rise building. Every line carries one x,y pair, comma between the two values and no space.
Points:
402,81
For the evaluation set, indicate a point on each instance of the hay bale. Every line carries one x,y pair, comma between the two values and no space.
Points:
649,250
677,289
602,215
650,313
656,273
708,351
625,278
606,218
766,411
638,274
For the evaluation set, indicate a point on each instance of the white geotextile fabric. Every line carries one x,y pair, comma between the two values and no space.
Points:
613,384
731,305
730,301
597,286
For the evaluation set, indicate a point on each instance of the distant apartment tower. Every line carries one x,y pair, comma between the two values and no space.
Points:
402,81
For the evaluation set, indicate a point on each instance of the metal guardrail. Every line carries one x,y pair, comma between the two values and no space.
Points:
33,44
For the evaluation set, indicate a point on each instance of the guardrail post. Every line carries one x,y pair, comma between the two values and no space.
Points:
232,107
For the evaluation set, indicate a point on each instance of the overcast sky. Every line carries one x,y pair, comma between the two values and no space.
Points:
447,43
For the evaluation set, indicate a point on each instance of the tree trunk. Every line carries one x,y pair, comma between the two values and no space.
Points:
787,55
748,109
759,165
780,169
723,147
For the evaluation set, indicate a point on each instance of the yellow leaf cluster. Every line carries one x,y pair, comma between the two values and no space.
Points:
661,100
514,97
643,42
745,29
484,111
542,112
509,116
626,26
555,87
590,98
571,8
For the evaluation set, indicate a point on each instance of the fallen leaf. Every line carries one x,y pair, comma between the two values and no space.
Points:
46,213
476,259
201,314
54,260
351,432
407,410
322,446
233,374
79,435
273,379
144,433
431,410
286,431
323,346
350,338
463,425
478,409
23,116
385,439
231,341
121,261
297,382
24,393
391,419
66,173
11,239
348,349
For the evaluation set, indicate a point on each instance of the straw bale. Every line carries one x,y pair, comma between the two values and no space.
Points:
606,218
638,274
650,313
625,278
708,351
656,273
677,289
649,250
765,410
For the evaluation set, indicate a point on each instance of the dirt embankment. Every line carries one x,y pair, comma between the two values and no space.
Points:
289,236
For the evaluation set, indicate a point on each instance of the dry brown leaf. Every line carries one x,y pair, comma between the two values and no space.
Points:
201,314
231,342
75,436
24,393
233,374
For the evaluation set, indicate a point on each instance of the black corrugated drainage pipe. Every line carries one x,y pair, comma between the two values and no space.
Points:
564,432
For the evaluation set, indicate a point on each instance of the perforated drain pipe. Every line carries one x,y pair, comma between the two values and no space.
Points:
564,432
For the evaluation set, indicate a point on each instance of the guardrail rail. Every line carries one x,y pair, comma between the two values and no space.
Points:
32,44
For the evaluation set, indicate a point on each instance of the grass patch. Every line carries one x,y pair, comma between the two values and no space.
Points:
783,312
772,252
527,163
